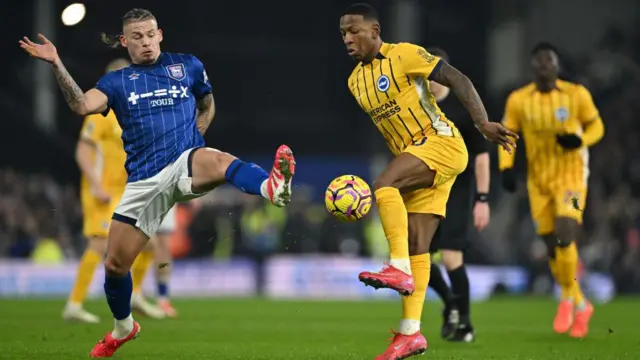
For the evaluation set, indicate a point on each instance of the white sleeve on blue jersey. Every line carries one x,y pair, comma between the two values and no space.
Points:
201,85
105,86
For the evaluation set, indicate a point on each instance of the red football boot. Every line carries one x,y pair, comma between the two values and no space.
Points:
279,182
564,317
389,277
404,346
109,345
580,326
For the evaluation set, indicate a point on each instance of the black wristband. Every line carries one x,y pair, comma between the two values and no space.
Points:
482,197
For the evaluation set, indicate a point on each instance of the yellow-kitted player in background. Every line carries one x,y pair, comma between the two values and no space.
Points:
558,121
101,157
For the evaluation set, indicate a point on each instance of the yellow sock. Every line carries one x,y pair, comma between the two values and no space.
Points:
566,269
412,305
578,296
139,269
86,268
395,222
554,269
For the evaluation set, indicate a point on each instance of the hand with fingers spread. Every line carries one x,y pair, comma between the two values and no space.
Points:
45,51
498,134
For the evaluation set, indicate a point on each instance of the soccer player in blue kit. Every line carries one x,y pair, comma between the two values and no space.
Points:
164,105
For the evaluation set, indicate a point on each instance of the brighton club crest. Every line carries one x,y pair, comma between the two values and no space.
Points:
562,114
383,83
176,72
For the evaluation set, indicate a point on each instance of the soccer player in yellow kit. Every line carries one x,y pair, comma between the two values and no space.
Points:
101,157
559,122
391,84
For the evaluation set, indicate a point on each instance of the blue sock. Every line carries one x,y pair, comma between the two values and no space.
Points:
246,177
163,289
118,291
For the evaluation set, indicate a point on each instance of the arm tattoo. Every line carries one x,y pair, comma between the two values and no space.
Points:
449,76
205,113
71,91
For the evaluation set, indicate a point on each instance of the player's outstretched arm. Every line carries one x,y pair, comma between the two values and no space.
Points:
91,102
449,76
206,110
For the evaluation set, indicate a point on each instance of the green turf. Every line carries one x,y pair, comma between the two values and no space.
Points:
258,329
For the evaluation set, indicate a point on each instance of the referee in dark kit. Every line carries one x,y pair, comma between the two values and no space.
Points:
468,199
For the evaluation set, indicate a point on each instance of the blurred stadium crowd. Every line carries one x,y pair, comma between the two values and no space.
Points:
41,218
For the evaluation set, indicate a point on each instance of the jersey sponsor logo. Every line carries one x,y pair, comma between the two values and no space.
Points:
134,76
159,97
562,114
176,72
383,83
385,111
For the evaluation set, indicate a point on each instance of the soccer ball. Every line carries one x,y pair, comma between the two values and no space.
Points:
348,198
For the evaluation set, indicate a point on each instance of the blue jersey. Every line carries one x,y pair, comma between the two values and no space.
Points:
156,108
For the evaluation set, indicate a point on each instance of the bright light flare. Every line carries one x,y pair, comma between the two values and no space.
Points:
73,14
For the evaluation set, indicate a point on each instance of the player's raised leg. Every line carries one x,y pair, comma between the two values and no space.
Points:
92,256
210,168
125,243
404,174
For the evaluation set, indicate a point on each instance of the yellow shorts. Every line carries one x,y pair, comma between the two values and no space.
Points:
549,202
448,157
97,215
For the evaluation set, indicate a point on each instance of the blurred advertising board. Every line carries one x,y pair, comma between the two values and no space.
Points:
189,279
336,277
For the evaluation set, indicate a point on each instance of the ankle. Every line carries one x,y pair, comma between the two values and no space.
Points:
409,327
402,264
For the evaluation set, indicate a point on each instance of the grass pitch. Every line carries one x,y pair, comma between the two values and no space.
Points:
507,328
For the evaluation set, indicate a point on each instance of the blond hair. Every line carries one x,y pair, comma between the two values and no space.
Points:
133,15
117,64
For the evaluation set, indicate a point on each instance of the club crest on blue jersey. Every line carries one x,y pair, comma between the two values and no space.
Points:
176,72
383,83
562,114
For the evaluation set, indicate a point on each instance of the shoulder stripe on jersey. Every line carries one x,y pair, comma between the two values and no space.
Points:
373,82
366,90
382,73
358,99
392,75
407,75
416,119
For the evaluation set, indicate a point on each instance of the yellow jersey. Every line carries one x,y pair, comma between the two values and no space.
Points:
540,117
394,91
105,133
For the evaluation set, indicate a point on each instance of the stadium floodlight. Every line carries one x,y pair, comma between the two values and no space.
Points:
73,14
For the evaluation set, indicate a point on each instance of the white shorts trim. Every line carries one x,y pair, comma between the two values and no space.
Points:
146,203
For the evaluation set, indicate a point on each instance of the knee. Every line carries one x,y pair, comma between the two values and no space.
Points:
211,164
115,267
452,259
381,182
566,231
